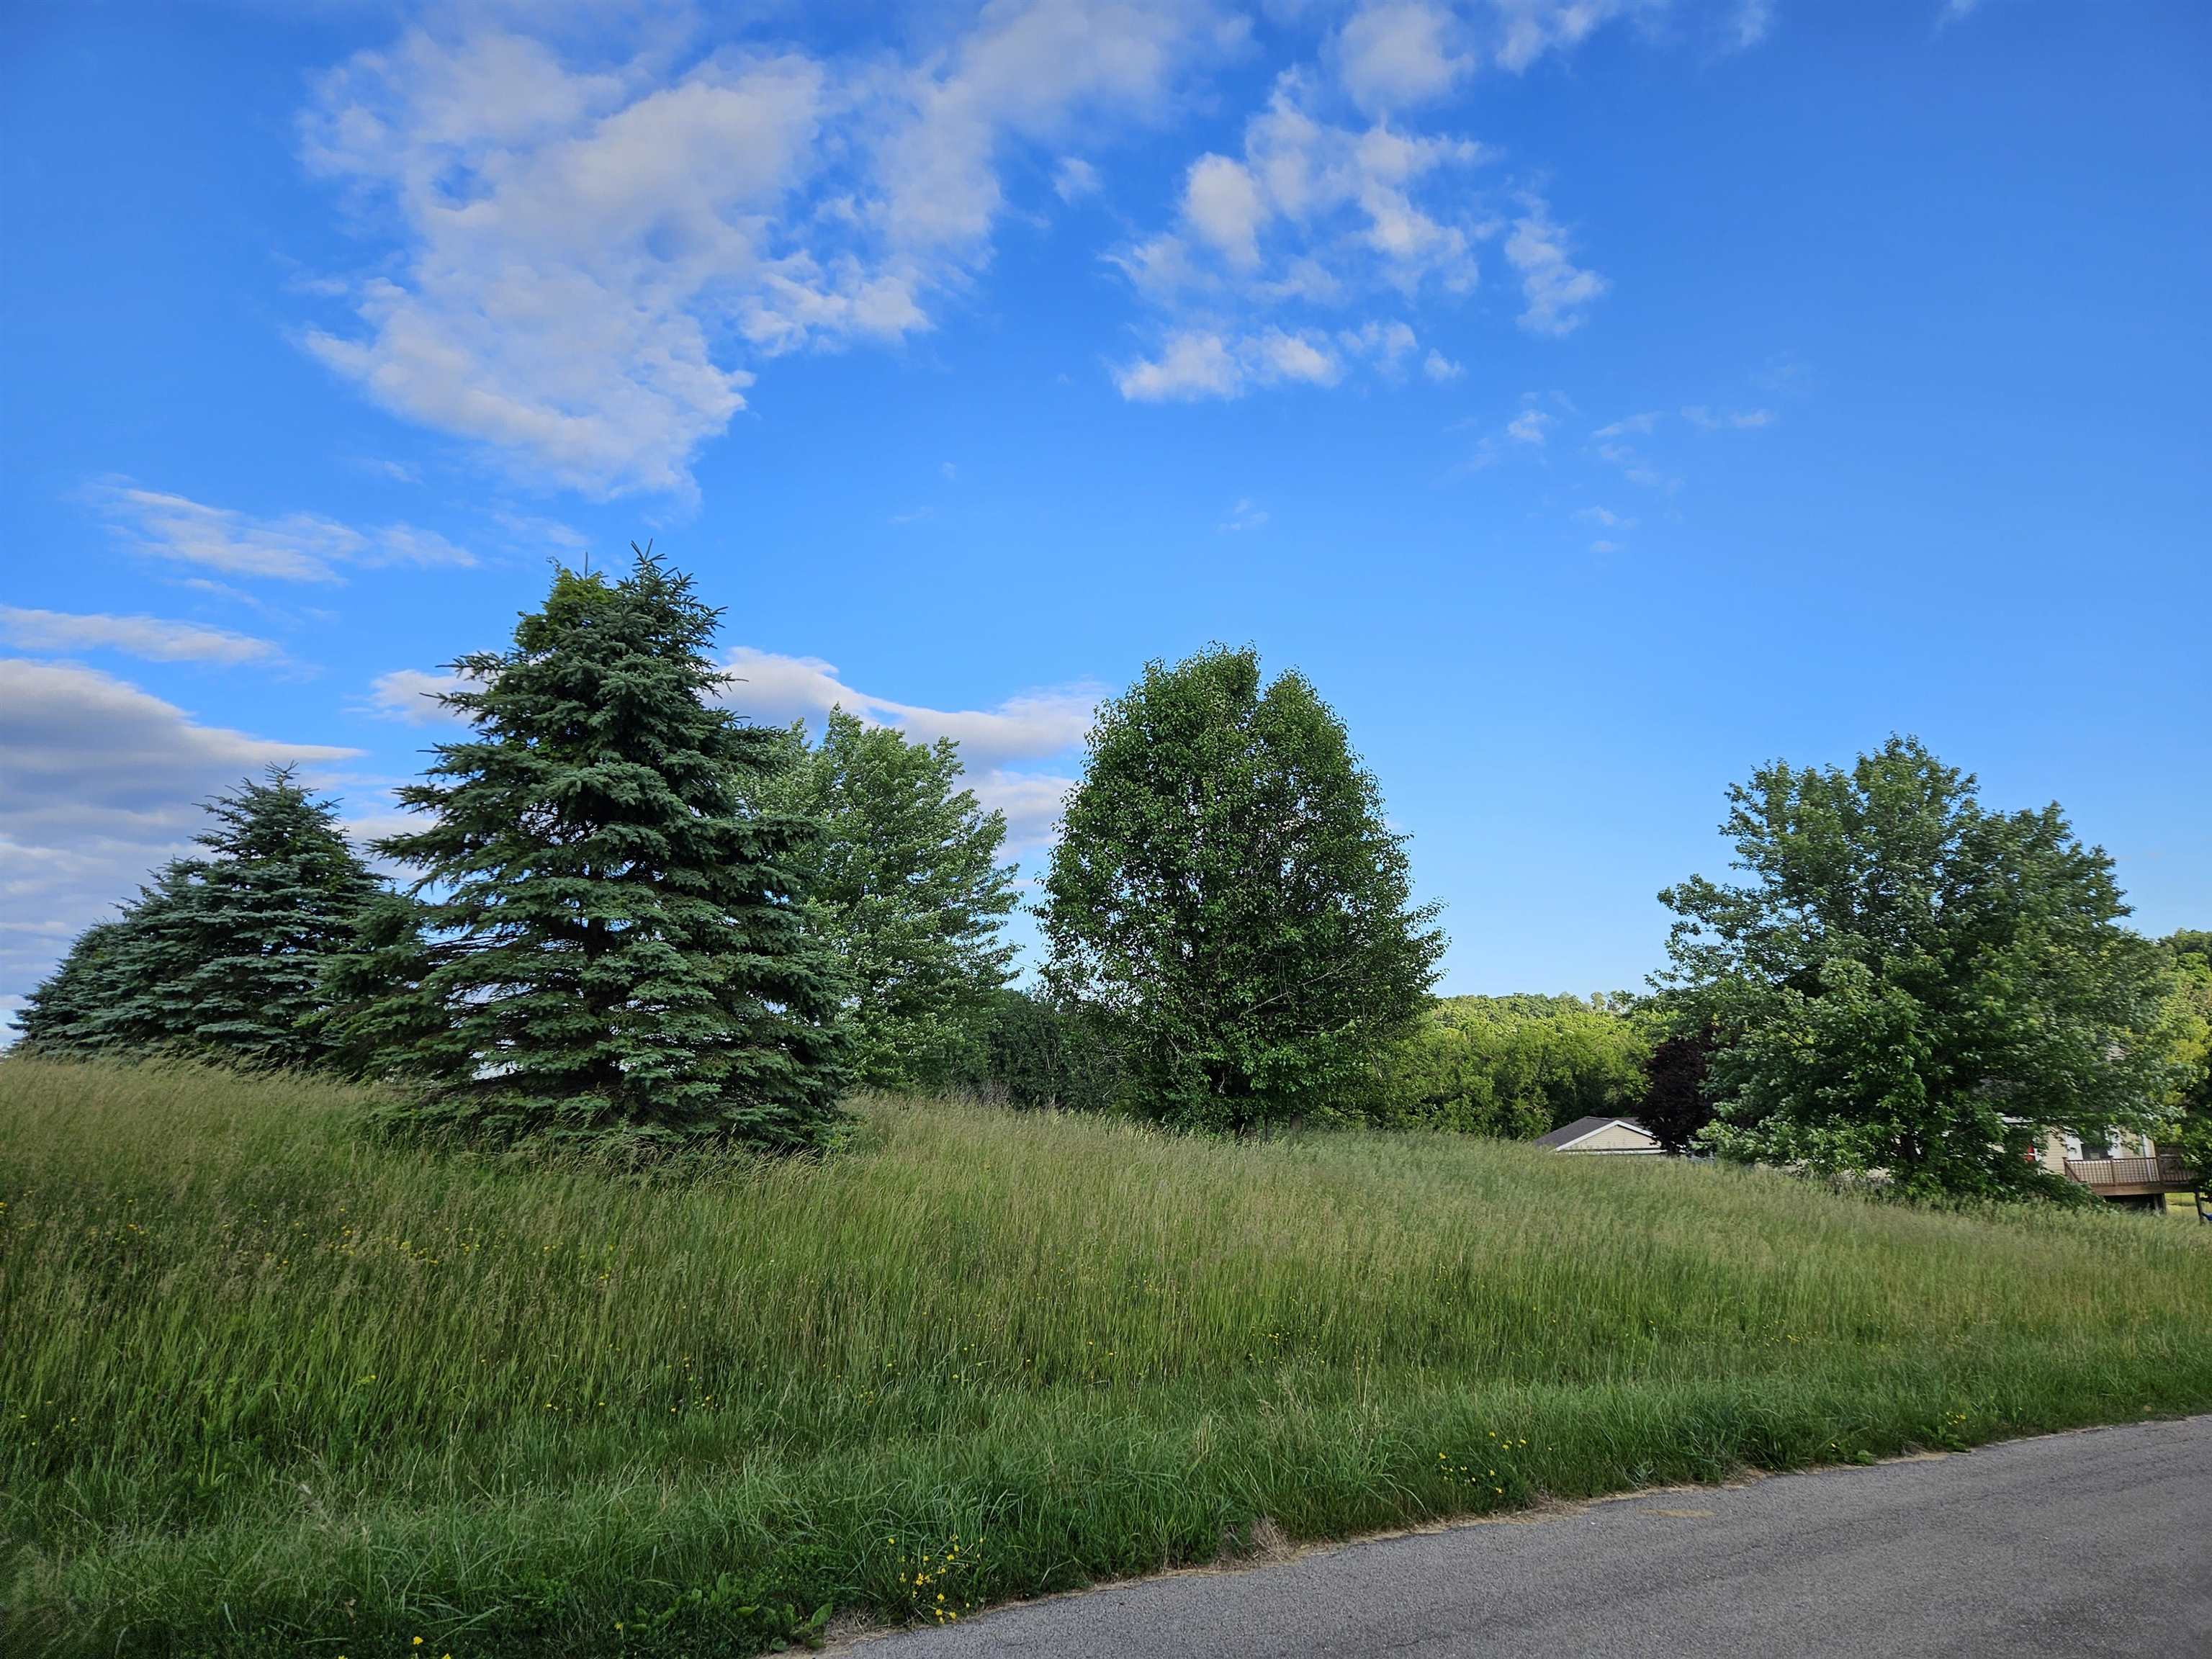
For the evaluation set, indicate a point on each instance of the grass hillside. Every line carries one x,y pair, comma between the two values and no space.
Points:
269,1386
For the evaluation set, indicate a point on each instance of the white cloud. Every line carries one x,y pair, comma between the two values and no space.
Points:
1223,205
1643,422
1524,30
1030,725
1032,802
1751,23
1397,54
1246,515
1386,345
156,639
1530,426
1074,179
410,696
1441,368
1281,357
1312,215
1605,547
1554,289
99,784
1606,516
1199,363
589,246
1613,447
1738,420
1193,364
299,547
1002,747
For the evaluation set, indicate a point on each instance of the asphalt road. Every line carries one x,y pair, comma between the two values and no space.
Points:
2099,1542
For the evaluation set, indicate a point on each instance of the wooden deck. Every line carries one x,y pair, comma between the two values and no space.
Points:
2132,1177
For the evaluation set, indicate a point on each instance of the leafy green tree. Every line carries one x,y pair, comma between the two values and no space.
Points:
1512,1067
907,888
1909,983
2189,1025
1567,1057
617,946
1225,889
1439,1075
222,954
2186,942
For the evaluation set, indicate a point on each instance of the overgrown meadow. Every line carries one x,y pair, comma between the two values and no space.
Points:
270,1385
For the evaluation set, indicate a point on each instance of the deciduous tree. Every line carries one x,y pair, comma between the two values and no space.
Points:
1226,890
1909,983
2189,1023
906,887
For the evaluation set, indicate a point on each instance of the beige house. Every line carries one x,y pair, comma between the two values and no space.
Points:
2131,1171
1618,1136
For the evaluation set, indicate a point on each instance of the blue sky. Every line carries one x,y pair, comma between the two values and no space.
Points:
1596,399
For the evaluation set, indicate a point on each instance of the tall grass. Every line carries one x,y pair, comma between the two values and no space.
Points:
268,1385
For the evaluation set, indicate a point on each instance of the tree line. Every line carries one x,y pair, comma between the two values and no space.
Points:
633,916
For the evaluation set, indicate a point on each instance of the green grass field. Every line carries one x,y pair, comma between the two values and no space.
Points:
268,1386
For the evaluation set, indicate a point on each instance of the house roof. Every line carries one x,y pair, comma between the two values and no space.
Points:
1582,1127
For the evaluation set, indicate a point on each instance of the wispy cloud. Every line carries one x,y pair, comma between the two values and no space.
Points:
297,547
1075,178
1556,291
1611,442
1729,420
1530,426
1750,23
775,688
156,639
1246,515
1005,748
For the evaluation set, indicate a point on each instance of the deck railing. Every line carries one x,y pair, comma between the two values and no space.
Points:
2165,1169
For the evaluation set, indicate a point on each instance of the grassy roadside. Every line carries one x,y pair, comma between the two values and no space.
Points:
269,1387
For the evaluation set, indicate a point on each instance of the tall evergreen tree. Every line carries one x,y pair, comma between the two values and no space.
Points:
378,1018
907,888
618,945
222,954
1225,888
60,1013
